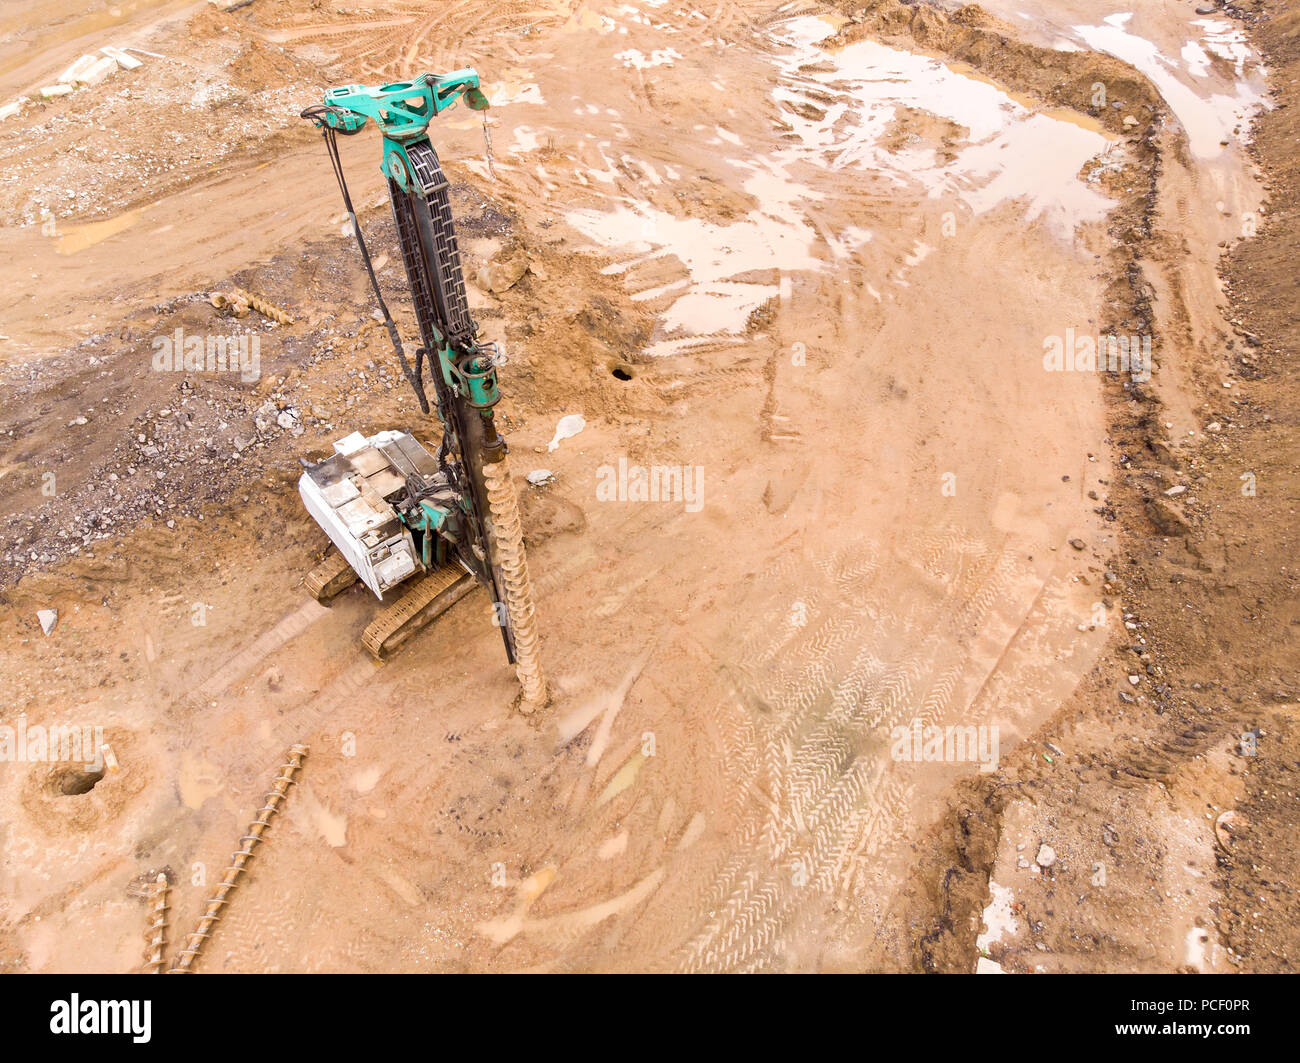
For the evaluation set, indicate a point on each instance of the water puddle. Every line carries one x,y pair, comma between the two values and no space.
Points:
197,781
659,57
1209,117
713,253
79,237
517,86
1011,152
907,120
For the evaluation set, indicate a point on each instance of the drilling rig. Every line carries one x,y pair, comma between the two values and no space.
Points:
421,530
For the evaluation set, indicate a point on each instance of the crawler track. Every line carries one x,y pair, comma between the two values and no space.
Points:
330,578
425,602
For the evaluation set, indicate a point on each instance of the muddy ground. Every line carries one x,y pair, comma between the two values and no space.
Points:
811,256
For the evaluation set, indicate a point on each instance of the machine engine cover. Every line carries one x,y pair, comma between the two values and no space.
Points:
350,496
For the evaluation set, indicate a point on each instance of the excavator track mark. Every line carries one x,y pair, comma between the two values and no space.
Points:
423,603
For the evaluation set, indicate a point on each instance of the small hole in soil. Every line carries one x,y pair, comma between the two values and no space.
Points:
73,782
621,373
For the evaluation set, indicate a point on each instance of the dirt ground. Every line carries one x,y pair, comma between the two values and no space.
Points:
809,255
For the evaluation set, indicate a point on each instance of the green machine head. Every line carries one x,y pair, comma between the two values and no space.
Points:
402,111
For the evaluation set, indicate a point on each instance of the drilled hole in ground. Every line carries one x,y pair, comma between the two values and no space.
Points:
73,782
621,372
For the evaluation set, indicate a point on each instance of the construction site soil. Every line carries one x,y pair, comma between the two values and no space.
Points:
813,259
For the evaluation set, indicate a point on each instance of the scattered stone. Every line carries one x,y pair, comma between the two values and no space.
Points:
1135,679
77,421
498,277
1078,544
1046,856
1178,489
1166,518
265,416
52,91
538,477
48,618
1129,121
1226,827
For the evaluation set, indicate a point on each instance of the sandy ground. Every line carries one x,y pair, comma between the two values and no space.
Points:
808,256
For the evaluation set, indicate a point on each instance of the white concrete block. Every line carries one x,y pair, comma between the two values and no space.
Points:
74,72
98,72
126,62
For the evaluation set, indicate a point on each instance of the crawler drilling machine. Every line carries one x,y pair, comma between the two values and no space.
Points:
424,528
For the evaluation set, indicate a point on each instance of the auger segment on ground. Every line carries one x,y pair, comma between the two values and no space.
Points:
400,516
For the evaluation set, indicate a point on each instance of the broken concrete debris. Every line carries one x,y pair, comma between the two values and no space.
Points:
85,72
568,427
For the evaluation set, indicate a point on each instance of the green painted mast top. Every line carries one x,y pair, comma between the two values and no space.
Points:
402,111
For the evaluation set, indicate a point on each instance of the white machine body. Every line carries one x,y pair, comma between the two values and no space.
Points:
348,496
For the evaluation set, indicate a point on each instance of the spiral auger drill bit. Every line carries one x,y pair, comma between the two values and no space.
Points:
155,934
213,911
516,583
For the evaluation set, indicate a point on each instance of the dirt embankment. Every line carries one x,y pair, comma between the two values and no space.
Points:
202,104
157,448
1181,800
1255,535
